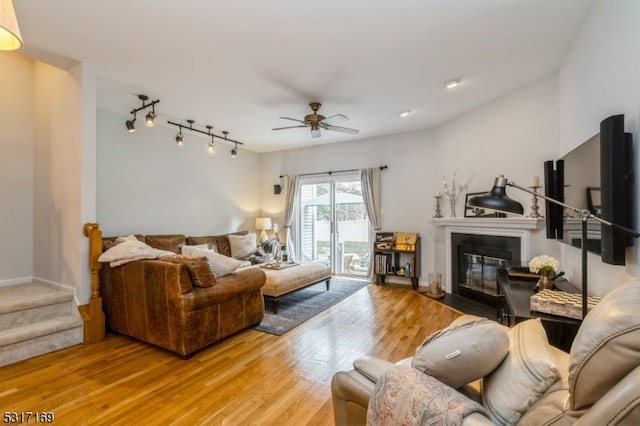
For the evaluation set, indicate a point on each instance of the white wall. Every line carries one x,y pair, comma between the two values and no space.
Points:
63,175
149,185
599,78
16,168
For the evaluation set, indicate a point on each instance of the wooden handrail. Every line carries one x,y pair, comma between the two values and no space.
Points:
92,314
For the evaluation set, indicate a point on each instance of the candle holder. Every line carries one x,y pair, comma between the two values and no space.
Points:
437,215
534,203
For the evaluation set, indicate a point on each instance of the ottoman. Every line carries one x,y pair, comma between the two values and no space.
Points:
284,281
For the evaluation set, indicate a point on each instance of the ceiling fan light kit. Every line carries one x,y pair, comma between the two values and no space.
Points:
316,122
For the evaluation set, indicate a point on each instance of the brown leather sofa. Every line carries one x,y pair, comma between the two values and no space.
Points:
156,302
599,380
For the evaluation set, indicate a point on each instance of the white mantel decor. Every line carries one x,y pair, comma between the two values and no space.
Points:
504,227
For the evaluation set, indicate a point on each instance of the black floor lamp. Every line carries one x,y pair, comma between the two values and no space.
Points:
498,200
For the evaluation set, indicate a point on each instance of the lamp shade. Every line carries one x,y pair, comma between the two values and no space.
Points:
497,199
10,38
263,223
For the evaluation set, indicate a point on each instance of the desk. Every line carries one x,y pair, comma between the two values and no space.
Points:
513,307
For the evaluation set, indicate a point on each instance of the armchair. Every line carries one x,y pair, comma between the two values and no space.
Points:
597,382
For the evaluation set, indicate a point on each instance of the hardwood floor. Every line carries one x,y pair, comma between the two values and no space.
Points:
251,378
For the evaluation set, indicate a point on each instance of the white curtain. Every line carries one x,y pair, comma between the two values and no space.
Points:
291,190
370,182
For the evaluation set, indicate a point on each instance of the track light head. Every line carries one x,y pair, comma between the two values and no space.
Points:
179,140
234,150
150,119
130,126
211,146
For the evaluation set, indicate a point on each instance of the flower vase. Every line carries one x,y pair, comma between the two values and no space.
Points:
546,280
452,202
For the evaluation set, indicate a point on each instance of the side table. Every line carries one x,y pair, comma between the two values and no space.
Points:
513,307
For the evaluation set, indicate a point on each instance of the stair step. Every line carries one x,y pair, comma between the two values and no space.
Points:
38,329
35,319
28,341
30,295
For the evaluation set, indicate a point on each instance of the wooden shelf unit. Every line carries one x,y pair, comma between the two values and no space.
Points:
390,256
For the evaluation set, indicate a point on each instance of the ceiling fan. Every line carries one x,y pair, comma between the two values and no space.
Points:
316,122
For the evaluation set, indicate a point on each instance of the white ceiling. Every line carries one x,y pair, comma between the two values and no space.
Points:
241,64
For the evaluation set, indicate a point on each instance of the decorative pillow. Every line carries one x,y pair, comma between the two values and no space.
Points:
242,245
200,269
525,374
404,396
222,265
198,246
463,352
198,241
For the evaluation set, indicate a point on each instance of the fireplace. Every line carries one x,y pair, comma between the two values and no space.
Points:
475,260
487,244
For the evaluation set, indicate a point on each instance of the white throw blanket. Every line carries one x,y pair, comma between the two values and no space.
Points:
130,250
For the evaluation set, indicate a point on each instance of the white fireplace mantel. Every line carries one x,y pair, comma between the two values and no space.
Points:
492,222
499,226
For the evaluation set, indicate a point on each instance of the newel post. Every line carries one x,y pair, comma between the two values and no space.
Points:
92,315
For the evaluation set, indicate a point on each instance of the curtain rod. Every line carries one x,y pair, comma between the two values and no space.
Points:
332,172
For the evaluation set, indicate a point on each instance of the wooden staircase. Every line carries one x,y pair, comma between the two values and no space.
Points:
36,319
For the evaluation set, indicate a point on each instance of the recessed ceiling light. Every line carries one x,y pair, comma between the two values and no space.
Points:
404,113
452,83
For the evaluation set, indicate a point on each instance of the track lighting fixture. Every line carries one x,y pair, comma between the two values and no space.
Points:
234,150
130,126
179,140
211,145
150,118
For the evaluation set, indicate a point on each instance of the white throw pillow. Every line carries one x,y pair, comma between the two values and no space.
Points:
528,370
463,352
242,245
222,265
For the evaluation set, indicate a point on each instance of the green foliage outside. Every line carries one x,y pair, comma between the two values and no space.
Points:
344,212
356,247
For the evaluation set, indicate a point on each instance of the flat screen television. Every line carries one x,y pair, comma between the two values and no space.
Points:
596,176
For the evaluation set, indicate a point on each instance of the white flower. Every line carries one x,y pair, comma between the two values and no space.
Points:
543,263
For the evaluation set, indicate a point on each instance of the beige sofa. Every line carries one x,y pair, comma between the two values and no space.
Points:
598,384
161,302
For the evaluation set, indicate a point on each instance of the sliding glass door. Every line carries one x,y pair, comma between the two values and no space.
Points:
332,224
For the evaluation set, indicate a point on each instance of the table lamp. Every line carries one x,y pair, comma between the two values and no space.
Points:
263,223
498,200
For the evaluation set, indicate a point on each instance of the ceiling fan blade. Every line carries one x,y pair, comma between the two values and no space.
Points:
293,119
340,129
335,118
315,133
288,127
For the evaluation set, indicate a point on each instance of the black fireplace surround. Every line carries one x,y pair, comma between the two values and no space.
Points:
474,263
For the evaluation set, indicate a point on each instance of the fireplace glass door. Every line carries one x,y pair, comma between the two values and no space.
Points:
479,272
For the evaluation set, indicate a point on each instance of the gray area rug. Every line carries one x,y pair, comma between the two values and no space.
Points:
299,306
